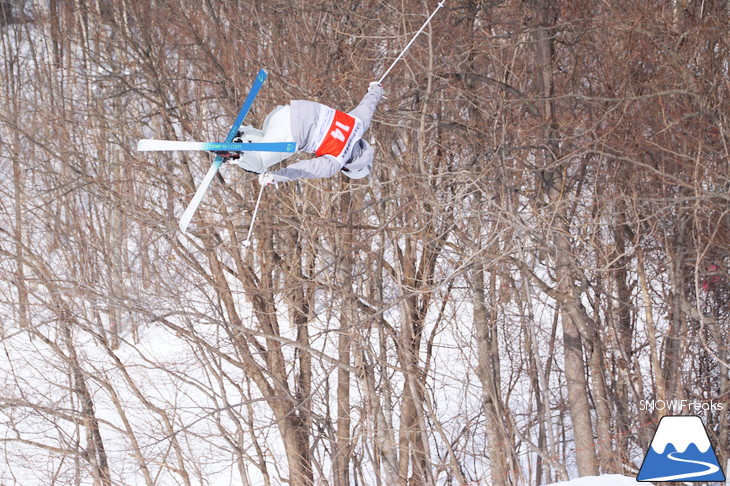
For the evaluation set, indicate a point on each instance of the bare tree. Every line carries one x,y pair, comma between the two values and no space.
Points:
540,250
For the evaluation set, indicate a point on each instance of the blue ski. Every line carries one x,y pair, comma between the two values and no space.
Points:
151,145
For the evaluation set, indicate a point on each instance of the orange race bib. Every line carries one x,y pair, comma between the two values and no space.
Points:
336,139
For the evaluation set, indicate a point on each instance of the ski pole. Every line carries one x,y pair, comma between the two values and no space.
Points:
247,242
443,2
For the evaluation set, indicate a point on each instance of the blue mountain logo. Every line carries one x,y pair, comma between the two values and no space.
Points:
681,451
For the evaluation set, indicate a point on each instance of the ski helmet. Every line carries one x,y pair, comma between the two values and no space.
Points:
361,162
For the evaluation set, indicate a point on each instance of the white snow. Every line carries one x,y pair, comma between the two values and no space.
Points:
681,431
607,480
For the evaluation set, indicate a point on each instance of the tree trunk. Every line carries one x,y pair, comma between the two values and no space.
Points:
553,183
485,328
95,451
341,459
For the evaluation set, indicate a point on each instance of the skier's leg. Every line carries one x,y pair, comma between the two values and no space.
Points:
248,134
277,128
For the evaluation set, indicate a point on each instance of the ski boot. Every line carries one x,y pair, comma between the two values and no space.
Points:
227,156
246,134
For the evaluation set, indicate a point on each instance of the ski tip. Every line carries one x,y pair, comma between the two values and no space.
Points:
147,144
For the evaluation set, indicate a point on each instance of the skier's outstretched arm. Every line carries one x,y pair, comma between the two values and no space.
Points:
366,109
324,166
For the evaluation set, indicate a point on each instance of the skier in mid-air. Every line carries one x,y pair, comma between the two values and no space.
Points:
334,137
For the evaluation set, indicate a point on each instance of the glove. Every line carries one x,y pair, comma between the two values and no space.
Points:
266,179
374,85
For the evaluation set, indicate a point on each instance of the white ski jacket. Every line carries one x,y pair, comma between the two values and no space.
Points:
329,134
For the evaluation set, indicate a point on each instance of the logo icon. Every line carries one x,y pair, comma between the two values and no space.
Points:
680,451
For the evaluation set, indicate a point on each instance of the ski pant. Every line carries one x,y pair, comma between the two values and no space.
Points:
277,128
